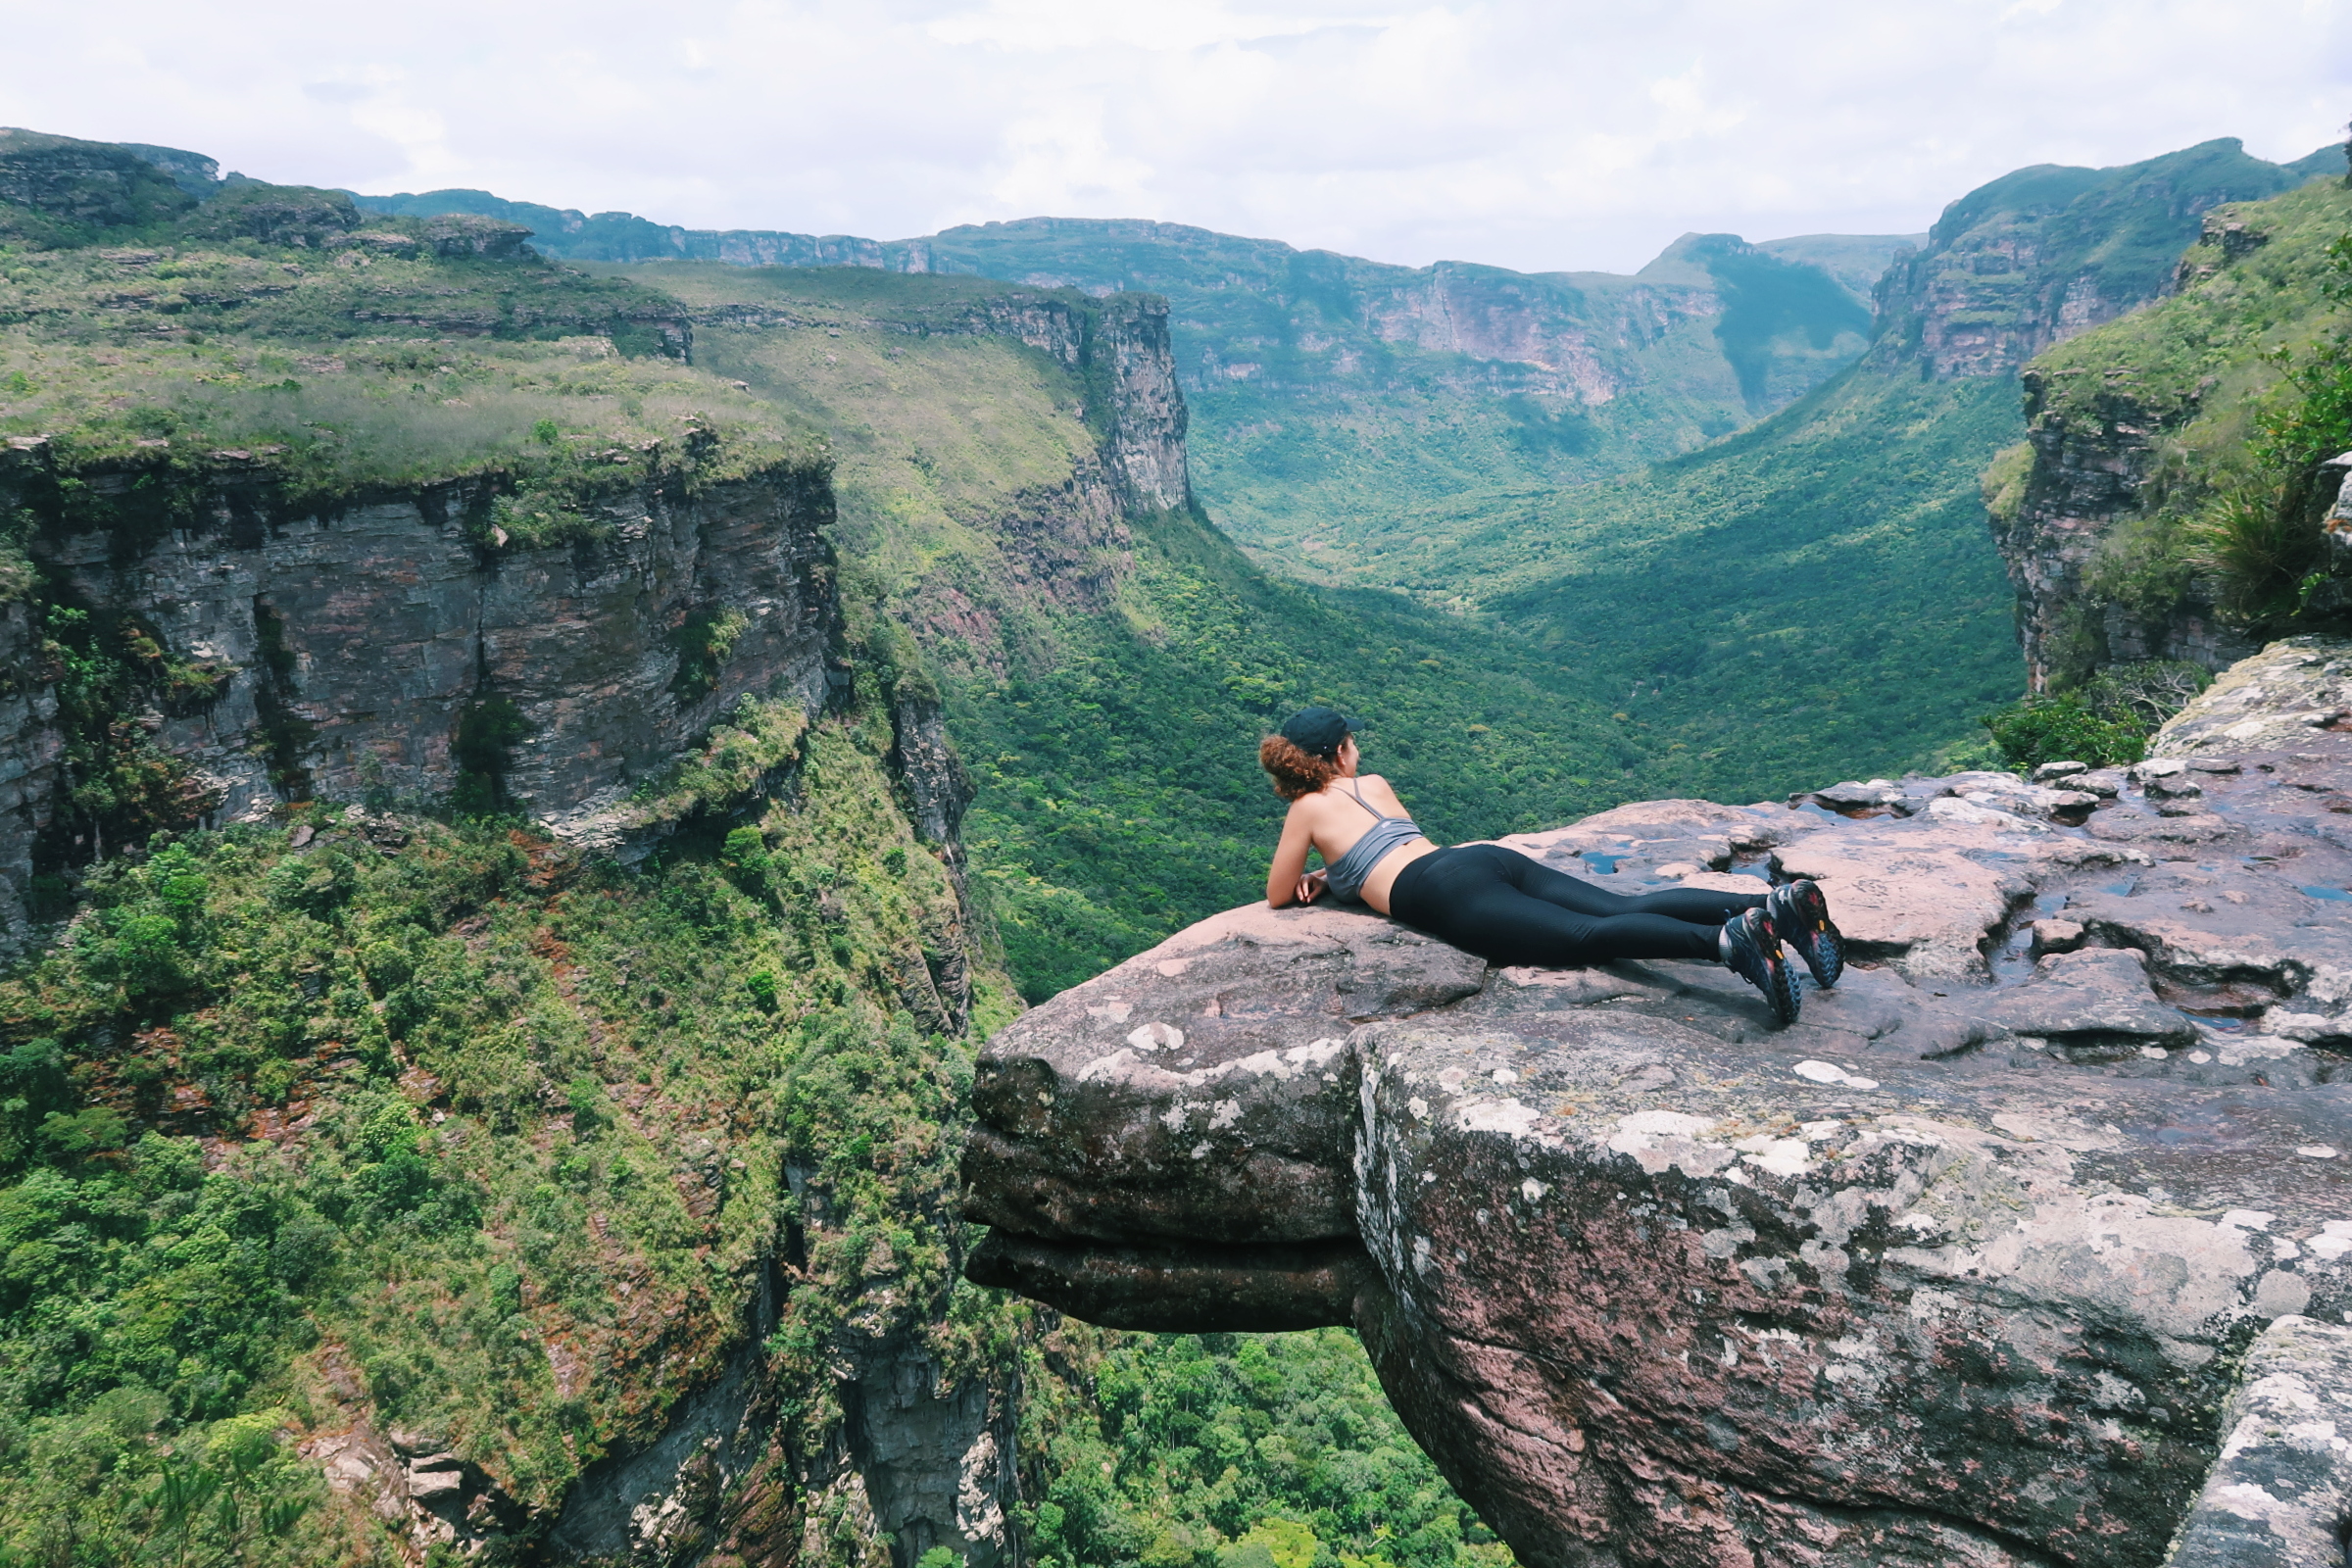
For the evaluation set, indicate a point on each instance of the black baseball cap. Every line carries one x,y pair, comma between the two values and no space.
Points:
1319,730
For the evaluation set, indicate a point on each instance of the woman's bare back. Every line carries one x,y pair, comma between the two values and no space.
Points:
1330,821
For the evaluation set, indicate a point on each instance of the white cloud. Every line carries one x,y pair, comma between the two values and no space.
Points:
1530,133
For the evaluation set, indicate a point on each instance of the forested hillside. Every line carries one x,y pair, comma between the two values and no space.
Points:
1822,588
1107,675
386,1179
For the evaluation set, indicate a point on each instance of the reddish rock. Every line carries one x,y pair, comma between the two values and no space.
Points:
1957,1270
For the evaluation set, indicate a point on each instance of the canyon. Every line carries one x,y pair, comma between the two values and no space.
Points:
2024,1247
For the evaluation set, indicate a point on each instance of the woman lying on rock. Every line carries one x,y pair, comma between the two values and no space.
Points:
1503,906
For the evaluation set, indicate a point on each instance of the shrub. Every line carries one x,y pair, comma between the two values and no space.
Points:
2146,694
2052,729
2260,547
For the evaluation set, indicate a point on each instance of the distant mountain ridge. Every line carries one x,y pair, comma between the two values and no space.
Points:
1329,391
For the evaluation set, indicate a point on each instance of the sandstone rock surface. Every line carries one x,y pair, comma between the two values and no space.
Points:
1961,1269
2273,701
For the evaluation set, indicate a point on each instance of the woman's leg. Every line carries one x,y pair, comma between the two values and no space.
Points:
1699,905
1469,897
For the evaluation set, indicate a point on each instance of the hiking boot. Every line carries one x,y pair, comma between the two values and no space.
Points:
1753,954
1801,916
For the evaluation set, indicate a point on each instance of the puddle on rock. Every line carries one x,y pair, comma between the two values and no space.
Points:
2012,961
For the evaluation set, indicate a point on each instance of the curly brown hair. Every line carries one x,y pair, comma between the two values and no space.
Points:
1296,773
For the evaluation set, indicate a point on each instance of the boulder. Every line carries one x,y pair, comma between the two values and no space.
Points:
2276,700
1959,1269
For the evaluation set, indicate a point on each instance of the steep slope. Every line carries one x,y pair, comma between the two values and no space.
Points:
2171,503
1817,591
382,1177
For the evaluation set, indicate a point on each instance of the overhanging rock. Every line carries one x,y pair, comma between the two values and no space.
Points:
1962,1269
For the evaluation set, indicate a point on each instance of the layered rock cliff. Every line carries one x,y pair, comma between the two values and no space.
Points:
1962,1268
384,646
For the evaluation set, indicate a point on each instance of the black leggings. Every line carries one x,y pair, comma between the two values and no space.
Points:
1506,909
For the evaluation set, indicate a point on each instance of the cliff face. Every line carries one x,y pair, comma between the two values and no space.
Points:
381,649
2136,427
363,637
2089,468
1956,1270
2045,254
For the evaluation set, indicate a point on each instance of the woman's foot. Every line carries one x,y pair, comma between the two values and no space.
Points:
1800,916
1754,953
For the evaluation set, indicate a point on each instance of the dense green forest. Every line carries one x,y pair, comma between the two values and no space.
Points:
420,1119
361,1112
1176,1450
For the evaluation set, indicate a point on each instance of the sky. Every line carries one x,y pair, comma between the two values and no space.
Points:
1538,134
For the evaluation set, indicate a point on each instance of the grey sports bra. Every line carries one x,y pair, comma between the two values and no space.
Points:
1345,878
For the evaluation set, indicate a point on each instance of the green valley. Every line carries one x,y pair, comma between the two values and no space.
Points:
412,1175
1107,676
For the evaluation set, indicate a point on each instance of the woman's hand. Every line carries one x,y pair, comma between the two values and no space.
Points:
1310,887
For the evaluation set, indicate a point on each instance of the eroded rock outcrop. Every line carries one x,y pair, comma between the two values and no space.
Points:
1961,1269
2130,448
361,637
2031,259
383,645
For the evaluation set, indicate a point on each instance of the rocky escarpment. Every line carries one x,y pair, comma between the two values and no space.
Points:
2091,458
2136,432
2047,253
1963,1268
383,645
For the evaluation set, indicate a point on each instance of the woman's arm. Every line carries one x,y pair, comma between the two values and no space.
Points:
1287,880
